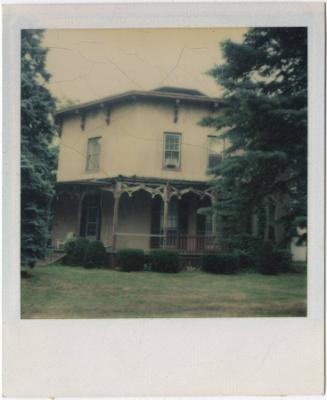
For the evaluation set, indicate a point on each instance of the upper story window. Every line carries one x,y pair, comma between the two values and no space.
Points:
172,152
93,154
215,149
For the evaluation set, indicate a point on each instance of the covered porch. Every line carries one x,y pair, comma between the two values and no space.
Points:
136,213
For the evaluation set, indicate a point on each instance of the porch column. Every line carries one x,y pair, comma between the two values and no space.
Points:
165,215
117,194
80,196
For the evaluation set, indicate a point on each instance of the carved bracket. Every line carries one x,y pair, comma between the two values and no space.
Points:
176,110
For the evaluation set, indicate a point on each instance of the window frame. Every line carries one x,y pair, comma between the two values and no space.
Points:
87,167
164,164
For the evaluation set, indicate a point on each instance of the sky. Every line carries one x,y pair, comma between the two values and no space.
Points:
93,63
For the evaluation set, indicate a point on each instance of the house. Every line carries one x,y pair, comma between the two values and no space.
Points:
133,170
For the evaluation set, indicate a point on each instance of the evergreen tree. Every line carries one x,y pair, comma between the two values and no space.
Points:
38,159
264,120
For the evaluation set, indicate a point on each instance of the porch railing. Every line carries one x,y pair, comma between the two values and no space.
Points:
194,244
188,243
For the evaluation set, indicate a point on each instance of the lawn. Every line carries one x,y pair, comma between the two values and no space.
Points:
71,292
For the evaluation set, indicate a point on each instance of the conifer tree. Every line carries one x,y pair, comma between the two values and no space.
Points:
38,159
264,120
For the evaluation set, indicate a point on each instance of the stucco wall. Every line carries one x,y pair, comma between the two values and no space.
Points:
132,144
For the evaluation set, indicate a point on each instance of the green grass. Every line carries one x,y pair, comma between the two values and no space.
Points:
71,292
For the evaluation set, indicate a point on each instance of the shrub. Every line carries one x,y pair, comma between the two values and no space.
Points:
165,261
266,260
284,259
95,255
75,250
69,247
272,259
246,260
223,263
130,259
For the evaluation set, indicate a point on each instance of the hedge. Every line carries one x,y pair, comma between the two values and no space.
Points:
167,261
130,260
75,250
222,263
95,255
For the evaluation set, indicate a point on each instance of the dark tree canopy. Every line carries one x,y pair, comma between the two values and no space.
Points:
38,159
264,121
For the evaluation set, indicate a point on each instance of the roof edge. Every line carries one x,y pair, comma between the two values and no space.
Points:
138,93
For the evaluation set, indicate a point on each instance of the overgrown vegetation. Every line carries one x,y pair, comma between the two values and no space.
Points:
265,123
38,159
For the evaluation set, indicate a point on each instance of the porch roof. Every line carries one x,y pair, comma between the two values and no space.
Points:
135,179
165,188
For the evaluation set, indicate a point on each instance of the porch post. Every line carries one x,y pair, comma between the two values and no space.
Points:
81,196
117,193
165,215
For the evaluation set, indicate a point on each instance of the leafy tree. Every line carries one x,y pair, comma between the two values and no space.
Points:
38,158
264,120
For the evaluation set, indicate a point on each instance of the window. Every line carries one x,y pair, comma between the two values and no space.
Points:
172,220
172,223
92,220
215,149
93,154
172,150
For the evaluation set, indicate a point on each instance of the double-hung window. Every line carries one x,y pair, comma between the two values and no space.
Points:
172,152
215,151
93,154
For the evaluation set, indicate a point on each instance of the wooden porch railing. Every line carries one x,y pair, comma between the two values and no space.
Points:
194,244
190,243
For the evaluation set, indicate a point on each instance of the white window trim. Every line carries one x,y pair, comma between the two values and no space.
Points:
164,164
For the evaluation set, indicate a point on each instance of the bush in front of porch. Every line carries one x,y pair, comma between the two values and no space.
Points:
130,260
75,250
167,261
222,263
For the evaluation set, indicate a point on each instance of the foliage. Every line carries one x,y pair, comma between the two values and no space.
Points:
222,263
272,259
284,259
264,119
95,255
38,160
265,261
165,261
130,259
75,251
69,247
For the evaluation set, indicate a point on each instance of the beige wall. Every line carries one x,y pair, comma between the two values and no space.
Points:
132,144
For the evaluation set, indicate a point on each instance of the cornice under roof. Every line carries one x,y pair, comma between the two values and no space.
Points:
137,94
